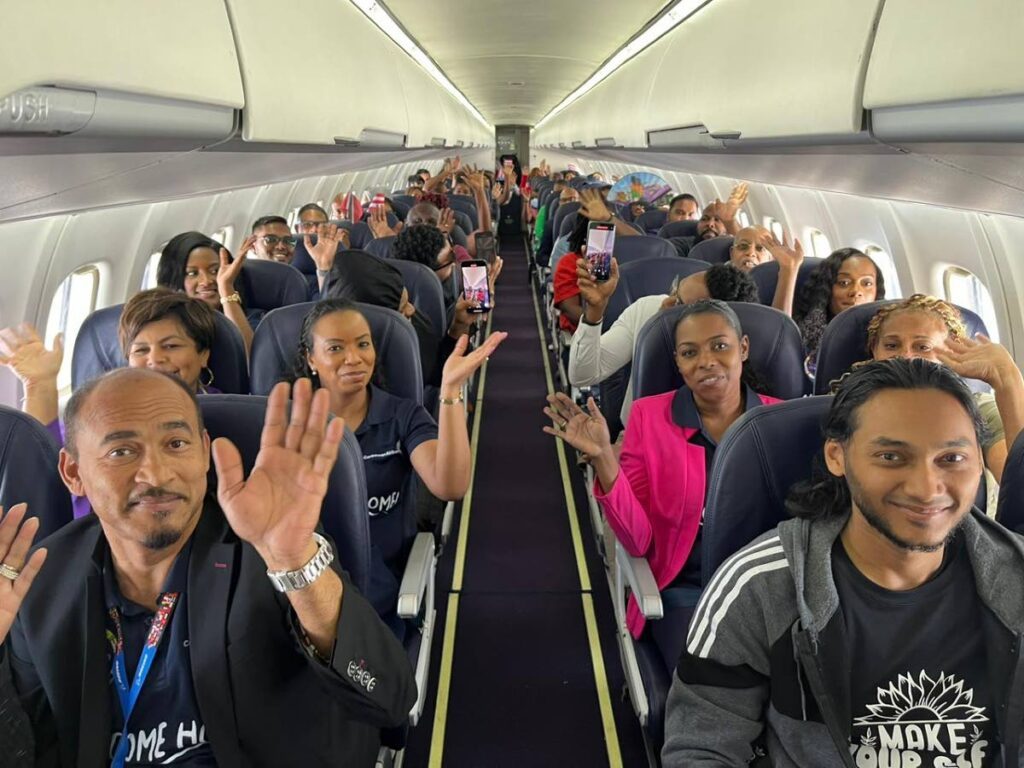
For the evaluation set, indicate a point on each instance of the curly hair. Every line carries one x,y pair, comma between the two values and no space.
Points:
919,302
438,199
727,283
420,244
813,309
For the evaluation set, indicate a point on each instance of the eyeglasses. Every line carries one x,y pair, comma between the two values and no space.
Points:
308,226
271,241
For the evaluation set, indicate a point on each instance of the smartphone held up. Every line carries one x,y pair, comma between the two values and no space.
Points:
475,287
600,245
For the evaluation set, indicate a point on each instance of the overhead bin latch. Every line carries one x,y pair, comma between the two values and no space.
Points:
371,137
689,137
46,111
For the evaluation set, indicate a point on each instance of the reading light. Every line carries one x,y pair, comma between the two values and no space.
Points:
682,10
379,15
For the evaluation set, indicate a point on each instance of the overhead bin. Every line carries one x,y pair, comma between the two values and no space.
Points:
955,72
119,69
745,68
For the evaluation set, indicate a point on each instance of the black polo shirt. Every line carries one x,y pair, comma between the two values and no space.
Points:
394,427
166,726
686,415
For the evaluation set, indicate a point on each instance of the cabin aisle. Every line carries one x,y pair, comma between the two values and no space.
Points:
516,682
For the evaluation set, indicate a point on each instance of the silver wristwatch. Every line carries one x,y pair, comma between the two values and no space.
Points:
289,581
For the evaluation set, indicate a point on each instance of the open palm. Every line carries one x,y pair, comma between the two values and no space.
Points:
23,351
277,508
14,545
586,431
459,366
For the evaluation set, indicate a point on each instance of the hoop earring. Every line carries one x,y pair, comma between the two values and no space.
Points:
205,386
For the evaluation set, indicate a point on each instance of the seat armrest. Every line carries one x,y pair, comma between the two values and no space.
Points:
641,582
419,569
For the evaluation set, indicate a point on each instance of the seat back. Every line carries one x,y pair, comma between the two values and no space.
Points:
759,459
767,277
276,343
567,224
343,512
401,209
678,229
647,277
652,221
97,350
846,336
776,351
642,247
560,214
28,471
425,292
1011,489
465,207
464,221
407,200
713,251
269,285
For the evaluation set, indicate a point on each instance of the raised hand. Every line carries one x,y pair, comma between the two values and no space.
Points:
593,206
14,546
447,221
586,431
980,358
277,508
229,271
326,247
23,352
727,211
379,223
596,293
248,244
459,366
788,257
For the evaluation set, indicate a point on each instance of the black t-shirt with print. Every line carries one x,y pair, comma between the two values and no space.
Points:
919,686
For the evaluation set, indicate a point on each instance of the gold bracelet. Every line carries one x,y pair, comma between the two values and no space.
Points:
452,401
234,297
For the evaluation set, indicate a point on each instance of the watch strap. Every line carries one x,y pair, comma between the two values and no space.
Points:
290,581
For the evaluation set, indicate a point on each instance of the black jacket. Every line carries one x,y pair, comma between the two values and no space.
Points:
264,700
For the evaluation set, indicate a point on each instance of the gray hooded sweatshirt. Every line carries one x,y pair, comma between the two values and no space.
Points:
764,677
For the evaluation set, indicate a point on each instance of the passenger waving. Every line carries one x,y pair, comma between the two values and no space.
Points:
653,496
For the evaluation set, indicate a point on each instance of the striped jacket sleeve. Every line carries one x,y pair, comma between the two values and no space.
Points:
716,707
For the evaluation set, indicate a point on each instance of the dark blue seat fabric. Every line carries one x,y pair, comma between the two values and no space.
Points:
28,471
638,247
776,352
647,277
845,342
678,229
407,200
465,213
1011,489
97,351
343,512
459,237
425,292
401,209
714,251
652,221
466,223
758,460
382,247
276,344
560,214
567,224
269,285
767,277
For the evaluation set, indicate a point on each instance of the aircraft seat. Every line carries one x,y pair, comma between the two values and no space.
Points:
269,284
647,277
678,229
97,351
425,292
1011,489
276,343
652,221
407,200
28,471
567,224
715,250
845,342
560,214
642,247
776,352
401,209
767,277
464,221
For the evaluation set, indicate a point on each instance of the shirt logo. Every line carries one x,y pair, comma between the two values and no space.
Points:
382,505
361,676
922,722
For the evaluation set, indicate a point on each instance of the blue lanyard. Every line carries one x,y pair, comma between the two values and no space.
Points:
130,696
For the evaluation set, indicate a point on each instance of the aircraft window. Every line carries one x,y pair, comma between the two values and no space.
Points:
224,235
888,267
293,216
773,224
149,276
320,203
744,219
74,300
820,246
966,290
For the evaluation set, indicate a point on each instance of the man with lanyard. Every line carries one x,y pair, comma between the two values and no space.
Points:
169,628
881,626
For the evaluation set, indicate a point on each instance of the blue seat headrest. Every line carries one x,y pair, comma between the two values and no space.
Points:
567,224
1011,488
560,214
767,277
642,247
97,351
776,351
425,292
401,209
647,277
678,229
652,221
845,339
760,457
713,251
407,200
28,471
343,512
276,343
269,285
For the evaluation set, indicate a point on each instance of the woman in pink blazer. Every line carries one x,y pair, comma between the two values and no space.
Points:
653,496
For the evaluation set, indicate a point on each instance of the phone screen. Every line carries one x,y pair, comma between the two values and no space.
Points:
600,244
485,246
474,285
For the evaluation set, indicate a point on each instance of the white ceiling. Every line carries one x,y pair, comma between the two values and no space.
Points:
551,46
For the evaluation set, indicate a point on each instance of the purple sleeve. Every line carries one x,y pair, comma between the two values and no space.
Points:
79,504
